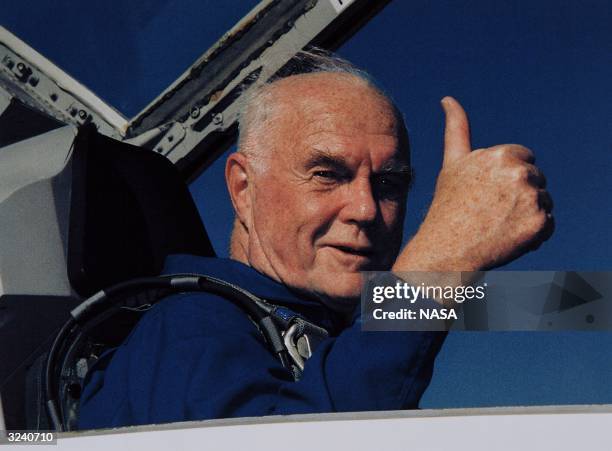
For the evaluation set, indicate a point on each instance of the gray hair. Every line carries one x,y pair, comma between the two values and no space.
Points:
255,107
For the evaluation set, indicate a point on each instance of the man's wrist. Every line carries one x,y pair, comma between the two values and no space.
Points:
423,255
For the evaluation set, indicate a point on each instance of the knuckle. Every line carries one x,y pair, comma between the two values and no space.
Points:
520,148
537,172
546,201
533,169
533,196
541,227
538,222
520,174
531,201
514,152
500,157
499,152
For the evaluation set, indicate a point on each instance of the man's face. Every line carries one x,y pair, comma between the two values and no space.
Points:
328,198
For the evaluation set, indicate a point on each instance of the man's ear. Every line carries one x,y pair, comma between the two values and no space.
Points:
237,180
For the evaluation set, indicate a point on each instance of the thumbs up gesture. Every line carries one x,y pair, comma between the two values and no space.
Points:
490,205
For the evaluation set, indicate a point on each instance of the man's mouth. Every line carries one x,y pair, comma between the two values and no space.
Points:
362,251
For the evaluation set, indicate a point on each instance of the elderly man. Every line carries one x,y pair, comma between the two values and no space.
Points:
319,188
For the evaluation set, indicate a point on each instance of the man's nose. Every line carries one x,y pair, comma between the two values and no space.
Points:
361,206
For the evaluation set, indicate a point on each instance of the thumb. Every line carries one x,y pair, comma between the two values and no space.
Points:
456,132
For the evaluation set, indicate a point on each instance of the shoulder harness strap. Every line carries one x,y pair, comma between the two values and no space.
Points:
292,338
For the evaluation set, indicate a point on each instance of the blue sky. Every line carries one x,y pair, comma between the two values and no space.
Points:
535,73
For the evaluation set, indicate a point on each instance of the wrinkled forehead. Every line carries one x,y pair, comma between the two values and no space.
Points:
327,97
336,106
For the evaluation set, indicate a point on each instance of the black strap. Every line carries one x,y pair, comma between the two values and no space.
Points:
271,320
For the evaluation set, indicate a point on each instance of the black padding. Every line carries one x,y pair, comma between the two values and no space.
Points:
18,122
130,209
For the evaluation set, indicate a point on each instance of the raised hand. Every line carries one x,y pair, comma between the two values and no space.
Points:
490,205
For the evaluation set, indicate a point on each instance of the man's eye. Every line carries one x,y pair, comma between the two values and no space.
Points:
389,180
391,185
328,176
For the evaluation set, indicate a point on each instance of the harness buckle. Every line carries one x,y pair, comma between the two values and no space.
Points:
301,340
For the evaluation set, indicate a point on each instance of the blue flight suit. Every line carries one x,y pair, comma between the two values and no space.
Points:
198,356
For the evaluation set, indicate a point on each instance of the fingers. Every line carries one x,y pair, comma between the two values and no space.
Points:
545,202
520,152
544,234
520,158
456,132
535,177
549,228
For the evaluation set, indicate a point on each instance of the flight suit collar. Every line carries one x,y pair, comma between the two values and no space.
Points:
257,283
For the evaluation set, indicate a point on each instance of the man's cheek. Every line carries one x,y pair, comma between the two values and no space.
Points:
393,211
393,220
312,206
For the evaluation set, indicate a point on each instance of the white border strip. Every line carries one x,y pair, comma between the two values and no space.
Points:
559,428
